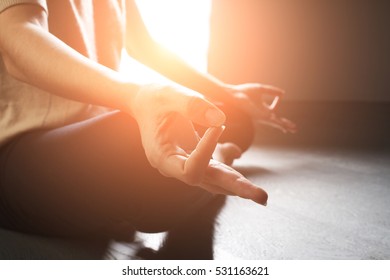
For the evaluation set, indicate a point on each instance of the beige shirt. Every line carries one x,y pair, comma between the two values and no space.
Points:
93,28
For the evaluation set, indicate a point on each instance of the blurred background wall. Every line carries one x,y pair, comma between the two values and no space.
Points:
314,49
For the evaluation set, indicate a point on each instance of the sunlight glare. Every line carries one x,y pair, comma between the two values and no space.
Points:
180,25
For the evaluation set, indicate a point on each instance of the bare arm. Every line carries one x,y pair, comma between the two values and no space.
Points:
35,56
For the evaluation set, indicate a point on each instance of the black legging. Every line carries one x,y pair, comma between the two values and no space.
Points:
92,178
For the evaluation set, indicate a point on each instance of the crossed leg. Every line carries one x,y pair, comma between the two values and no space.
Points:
92,179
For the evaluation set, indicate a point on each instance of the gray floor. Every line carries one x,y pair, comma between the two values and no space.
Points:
329,197
323,204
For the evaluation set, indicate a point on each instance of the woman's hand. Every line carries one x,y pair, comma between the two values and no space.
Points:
252,99
165,115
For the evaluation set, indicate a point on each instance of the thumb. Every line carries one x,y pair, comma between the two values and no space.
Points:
203,112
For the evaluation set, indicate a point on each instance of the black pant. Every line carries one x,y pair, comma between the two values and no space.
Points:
92,178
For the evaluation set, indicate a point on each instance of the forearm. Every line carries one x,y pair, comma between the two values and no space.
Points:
176,69
33,55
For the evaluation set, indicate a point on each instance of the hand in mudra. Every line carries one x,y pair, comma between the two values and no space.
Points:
251,98
165,115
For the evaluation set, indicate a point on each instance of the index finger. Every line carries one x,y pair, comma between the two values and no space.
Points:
197,162
272,91
277,94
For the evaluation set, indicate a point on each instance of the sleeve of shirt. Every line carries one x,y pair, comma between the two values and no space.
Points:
5,4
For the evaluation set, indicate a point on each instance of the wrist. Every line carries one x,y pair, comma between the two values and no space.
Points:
225,92
126,93
146,95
